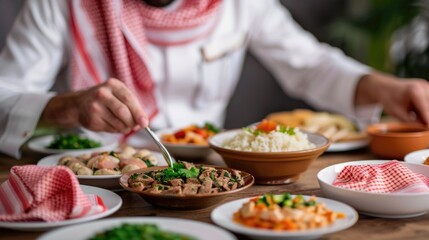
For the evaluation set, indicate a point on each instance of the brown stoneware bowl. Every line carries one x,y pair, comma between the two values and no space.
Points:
395,140
185,202
269,167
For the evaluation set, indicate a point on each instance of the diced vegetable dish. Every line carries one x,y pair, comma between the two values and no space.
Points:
192,134
72,141
285,212
139,232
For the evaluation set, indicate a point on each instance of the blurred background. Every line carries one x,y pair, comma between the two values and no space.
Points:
388,35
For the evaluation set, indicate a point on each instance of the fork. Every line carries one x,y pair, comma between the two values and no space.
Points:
161,146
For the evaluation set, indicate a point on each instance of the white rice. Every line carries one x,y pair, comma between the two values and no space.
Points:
273,141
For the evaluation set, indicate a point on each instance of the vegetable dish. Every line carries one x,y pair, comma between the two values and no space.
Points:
192,134
285,212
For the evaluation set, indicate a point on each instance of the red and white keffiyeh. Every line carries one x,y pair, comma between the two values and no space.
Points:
110,39
51,194
390,177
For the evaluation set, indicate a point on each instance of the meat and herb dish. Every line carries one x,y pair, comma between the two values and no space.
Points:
192,134
285,212
186,179
139,231
109,163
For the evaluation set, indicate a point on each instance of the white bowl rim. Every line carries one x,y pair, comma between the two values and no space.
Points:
408,157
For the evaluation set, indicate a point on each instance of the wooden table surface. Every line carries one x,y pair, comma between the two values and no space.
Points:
365,228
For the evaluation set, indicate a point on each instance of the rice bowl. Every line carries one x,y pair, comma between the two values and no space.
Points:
269,167
274,141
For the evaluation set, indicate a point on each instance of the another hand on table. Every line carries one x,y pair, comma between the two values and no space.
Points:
405,99
109,107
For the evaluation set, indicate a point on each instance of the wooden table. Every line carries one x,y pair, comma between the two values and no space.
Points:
365,228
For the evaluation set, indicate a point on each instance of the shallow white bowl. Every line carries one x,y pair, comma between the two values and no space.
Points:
385,205
189,152
417,157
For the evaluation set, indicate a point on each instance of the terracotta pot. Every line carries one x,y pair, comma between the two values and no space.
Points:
395,140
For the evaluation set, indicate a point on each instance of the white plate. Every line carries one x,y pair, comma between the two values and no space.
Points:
39,144
222,216
185,151
347,145
112,201
384,205
103,181
198,230
417,157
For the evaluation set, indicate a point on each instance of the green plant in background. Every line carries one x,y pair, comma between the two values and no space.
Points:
410,48
366,32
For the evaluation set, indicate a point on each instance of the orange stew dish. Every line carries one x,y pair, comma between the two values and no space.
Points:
285,212
192,134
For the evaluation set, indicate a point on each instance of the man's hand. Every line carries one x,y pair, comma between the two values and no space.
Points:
109,107
405,99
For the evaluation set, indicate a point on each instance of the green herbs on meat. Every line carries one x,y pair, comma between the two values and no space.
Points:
72,141
139,232
178,171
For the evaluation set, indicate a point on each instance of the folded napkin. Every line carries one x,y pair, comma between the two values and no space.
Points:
35,193
389,177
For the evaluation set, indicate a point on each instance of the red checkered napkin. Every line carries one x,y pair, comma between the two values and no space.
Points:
390,177
51,194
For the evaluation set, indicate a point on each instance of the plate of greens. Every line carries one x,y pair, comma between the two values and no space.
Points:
141,228
60,143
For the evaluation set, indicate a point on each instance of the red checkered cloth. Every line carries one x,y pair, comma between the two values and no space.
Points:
389,177
51,194
123,30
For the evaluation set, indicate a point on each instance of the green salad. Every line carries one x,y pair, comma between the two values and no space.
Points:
139,232
72,141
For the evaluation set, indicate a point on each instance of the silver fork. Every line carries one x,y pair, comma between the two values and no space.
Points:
161,146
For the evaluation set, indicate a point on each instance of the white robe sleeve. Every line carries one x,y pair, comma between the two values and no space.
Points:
305,68
29,64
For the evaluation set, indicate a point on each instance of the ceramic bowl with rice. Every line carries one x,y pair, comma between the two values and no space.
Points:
272,153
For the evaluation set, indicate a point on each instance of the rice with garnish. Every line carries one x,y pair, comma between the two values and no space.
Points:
274,141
